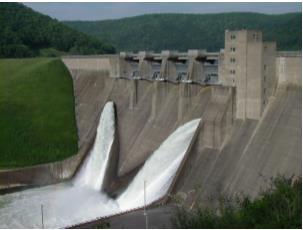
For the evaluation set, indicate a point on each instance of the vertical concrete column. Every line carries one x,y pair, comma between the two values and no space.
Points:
168,69
269,81
114,71
133,87
218,118
145,64
184,102
160,91
195,66
124,66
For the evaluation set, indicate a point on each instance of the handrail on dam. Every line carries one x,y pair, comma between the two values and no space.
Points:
171,54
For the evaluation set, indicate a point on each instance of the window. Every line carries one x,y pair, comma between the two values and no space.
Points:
232,71
232,60
264,77
232,37
264,67
232,49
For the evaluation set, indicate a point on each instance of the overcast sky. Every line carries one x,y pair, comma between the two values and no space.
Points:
101,11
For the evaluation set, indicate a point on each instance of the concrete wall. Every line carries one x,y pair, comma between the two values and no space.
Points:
147,112
255,151
269,71
226,148
248,64
289,68
43,174
254,99
218,118
91,63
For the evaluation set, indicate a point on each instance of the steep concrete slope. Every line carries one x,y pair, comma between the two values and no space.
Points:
147,112
228,156
255,151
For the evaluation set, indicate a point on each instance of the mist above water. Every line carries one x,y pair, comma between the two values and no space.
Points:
82,199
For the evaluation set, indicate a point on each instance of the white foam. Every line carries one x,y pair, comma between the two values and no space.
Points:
69,203
93,170
160,168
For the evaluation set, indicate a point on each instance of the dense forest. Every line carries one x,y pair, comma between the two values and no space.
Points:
26,33
187,31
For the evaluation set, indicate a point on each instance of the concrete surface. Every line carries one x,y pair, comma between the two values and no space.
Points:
254,153
43,174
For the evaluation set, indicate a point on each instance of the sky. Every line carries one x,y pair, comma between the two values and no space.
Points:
102,11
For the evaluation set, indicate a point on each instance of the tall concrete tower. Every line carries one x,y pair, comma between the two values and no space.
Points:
246,58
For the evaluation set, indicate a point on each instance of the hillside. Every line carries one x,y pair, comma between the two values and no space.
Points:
186,31
37,118
26,33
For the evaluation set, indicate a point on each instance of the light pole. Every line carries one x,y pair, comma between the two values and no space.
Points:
145,213
42,216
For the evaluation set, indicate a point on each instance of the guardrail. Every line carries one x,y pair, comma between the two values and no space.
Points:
170,81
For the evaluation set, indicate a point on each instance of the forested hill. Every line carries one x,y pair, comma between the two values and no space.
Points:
25,33
186,31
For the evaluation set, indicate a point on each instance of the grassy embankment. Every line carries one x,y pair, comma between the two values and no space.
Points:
37,117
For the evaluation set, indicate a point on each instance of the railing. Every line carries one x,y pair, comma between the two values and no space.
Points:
179,79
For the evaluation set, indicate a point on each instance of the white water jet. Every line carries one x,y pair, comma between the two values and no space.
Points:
93,170
68,203
159,169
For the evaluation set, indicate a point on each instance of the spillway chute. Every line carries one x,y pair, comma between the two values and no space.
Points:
83,200
93,171
160,168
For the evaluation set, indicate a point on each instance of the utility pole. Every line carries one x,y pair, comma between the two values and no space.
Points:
42,216
145,213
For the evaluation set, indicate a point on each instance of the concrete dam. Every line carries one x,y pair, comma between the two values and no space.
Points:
198,124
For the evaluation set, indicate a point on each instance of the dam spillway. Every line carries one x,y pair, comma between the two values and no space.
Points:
82,199
93,170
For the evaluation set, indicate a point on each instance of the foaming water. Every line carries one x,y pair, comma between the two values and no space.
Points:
93,170
82,199
159,169
63,204
72,202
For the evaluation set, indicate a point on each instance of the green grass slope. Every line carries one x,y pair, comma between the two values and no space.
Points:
37,117
26,33
187,31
